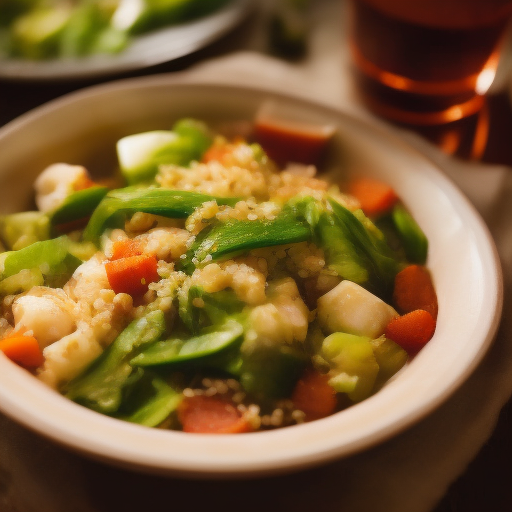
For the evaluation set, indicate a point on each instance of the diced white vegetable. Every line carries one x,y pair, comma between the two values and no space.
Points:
285,318
55,183
66,358
88,280
46,316
350,308
137,153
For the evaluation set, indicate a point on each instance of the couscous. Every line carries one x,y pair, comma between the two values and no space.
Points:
211,290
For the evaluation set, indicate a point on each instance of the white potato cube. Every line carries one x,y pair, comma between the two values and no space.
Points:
350,308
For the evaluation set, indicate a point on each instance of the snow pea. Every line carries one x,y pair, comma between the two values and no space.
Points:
118,204
354,251
78,205
215,307
153,409
234,237
271,371
51,257
195,350
414,241
100,386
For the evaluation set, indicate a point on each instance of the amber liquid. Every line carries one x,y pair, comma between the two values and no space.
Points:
426,62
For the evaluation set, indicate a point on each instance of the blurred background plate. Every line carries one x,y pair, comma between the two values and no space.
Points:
146,50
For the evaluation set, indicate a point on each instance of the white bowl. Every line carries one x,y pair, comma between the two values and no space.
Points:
83,127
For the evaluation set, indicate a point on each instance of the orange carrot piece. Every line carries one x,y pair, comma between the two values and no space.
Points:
374,196
126,248
217,153
414,289
412,331
84,183
133,274
314,396
23,350
202,414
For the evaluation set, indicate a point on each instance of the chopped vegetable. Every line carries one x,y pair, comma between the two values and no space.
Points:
197,349
211,415
414,290
270,372
412,331
51,257
79,205
22,349
314,396
118,204
140,155
101,386
390,357
126,248
355,252
413,239
132,274
19,230
223,240
374,196
353,367
350,308
156,406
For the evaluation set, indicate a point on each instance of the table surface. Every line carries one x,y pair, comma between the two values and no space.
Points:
486,483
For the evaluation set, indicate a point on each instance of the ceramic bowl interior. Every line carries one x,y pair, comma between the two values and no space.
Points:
82,128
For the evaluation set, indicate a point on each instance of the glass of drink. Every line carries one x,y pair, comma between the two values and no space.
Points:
426,62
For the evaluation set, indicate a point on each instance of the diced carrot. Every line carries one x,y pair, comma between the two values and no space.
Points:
84,183
314,396
203,414
126,248
412,331
414,290
23,350
374,196
217,153
287,142
133,274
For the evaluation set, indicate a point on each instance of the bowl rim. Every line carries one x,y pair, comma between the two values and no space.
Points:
53,416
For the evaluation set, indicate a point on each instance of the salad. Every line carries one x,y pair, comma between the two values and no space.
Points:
45,29
216,283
